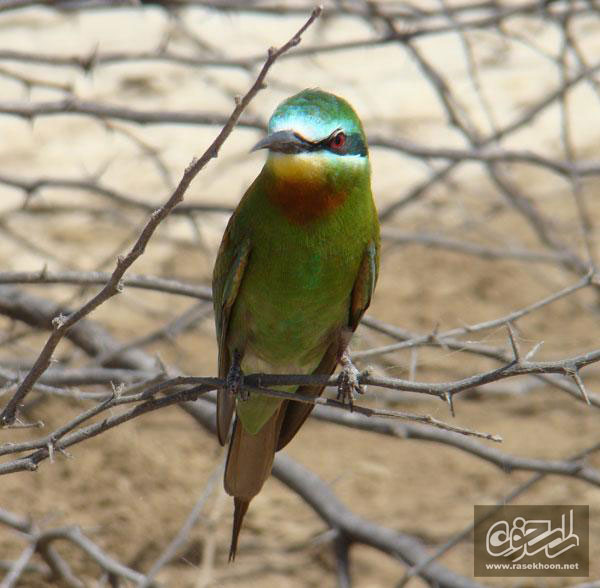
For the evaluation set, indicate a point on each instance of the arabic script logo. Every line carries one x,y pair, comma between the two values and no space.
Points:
528,537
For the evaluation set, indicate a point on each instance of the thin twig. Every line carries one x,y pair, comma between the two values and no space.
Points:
183,535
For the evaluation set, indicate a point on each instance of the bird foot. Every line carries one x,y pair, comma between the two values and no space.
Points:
349,385
235,379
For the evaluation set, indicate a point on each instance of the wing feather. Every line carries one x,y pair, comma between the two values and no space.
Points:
364,285
230,266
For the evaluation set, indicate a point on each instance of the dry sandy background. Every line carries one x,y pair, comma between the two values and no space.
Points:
131,489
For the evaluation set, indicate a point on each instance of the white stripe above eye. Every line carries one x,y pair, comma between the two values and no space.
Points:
309,127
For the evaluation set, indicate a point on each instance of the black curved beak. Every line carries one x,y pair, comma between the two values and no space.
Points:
283,142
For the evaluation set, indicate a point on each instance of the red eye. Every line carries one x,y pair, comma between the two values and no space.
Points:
338,141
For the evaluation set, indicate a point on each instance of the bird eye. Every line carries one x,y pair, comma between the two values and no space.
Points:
338,141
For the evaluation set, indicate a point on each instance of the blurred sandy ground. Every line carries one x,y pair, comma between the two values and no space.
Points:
132,488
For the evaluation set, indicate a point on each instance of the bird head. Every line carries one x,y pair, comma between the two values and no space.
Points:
316,137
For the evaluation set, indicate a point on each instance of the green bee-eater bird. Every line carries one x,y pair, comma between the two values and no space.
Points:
294,274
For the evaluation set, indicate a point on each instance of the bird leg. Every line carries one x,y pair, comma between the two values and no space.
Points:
348,381
235,378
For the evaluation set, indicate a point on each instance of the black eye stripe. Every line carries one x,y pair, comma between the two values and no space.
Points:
354,144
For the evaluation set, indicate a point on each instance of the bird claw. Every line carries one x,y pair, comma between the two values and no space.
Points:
349,385
235,379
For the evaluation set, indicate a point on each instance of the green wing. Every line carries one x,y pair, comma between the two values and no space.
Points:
364,285
228,274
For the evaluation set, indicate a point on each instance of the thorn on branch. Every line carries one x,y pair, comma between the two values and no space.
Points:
89,62
581,386
513,343
450,400
435,339
162,366
50,447
44,272
412,368
533,350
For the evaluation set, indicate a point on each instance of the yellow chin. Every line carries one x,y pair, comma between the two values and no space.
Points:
309,167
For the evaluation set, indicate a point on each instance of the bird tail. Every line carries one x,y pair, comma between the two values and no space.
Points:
240,508
249,464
